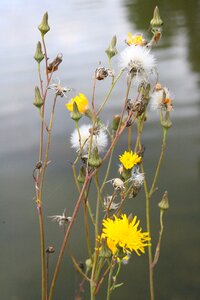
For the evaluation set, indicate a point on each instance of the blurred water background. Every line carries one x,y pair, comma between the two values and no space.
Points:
81,30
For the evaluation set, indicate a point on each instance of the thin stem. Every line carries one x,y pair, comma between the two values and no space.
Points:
109,92
47,147
109,281
45,55
47,273
159,162
129,138
157,252
78,203
42,250
108,169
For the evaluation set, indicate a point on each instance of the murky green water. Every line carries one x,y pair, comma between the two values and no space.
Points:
81,30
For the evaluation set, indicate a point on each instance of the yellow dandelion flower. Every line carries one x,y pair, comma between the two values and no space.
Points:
129,159
120,232
136,39
81,101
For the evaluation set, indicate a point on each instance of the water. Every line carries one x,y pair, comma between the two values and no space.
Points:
81,30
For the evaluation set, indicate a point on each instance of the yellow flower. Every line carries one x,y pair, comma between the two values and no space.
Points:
81,101
129,159
136,39
120,232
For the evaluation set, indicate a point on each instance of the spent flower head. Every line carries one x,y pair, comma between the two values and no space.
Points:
61,219
121,233
129,159
161,98
99,139
59,90
109,204
81,101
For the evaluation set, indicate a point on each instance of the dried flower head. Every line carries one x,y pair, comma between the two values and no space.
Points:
61,219
139,62
81,101
121,233
129,159
109,204
99,139
161,98
59,90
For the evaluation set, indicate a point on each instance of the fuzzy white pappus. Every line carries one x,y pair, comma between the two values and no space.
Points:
99,140
139,61
161,98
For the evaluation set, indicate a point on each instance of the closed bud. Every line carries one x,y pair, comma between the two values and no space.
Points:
82,174
38,100
112,50
156,22
50,249
75,114
164,203
166,121
104,251
115,122
95,160
39,56
44,26
88,263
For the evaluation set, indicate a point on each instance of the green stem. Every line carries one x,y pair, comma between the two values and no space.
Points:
78,203
42,247
109,92
108,169
159,162
109,281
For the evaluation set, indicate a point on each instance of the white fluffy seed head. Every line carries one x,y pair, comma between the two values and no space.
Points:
99,140
139,60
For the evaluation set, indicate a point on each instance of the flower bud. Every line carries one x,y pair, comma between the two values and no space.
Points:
81,176
38,100
112,50
95,160
104,250
166,122
156,22
164,203
115,122
39,56
75,114
88,263
44,26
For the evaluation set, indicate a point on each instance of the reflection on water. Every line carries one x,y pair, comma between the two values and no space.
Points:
82,30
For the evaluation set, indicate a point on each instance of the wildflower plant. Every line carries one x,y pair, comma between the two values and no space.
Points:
117,236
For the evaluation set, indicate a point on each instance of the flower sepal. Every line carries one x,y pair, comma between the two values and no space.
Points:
75,114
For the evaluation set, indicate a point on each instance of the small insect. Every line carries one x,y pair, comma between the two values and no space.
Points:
61,219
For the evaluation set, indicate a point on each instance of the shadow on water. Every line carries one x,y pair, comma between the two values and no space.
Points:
177,273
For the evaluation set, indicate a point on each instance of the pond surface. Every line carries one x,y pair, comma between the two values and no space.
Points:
81,30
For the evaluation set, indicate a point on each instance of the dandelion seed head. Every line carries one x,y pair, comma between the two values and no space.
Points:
139,61
99,140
